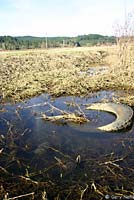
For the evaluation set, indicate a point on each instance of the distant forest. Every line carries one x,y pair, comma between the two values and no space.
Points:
29,42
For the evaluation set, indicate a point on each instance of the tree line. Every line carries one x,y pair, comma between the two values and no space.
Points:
29,42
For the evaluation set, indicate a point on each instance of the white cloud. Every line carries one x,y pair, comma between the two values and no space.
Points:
21,4
60,17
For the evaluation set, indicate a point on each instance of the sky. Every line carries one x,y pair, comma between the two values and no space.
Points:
62,17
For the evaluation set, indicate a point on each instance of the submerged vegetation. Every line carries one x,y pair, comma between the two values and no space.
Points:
54,161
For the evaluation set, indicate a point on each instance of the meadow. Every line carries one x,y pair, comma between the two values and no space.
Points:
24,74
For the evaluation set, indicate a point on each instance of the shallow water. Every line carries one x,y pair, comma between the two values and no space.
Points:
96,70
49,151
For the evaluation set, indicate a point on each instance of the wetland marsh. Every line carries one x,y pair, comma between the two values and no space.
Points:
56,160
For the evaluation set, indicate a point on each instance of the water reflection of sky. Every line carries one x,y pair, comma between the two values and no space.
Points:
46,140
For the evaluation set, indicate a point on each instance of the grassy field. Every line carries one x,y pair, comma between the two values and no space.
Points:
24,74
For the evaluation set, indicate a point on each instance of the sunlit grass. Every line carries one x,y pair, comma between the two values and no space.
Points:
57,71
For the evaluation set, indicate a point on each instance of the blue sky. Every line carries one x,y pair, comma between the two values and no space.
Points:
61,17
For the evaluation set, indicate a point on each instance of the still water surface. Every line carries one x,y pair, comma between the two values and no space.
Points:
60,152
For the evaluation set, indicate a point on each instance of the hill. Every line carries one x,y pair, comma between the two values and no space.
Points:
31,42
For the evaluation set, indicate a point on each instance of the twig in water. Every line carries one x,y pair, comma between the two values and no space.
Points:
28,179
4,170
112,162
21,196
93,186
22,134
35,105
55,108
44,195
60,163
78,159
83,191
68,117
1,150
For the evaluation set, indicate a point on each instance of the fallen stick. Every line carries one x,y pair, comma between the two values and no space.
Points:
20,196
68,117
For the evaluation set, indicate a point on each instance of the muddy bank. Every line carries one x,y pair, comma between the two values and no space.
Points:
26,74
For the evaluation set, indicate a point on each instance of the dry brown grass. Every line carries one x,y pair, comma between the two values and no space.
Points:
57,71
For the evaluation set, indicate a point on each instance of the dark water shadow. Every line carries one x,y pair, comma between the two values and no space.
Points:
49,151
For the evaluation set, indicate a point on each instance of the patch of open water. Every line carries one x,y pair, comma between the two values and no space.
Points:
96,70
43,146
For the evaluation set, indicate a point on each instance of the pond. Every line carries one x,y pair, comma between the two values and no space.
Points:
61,159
